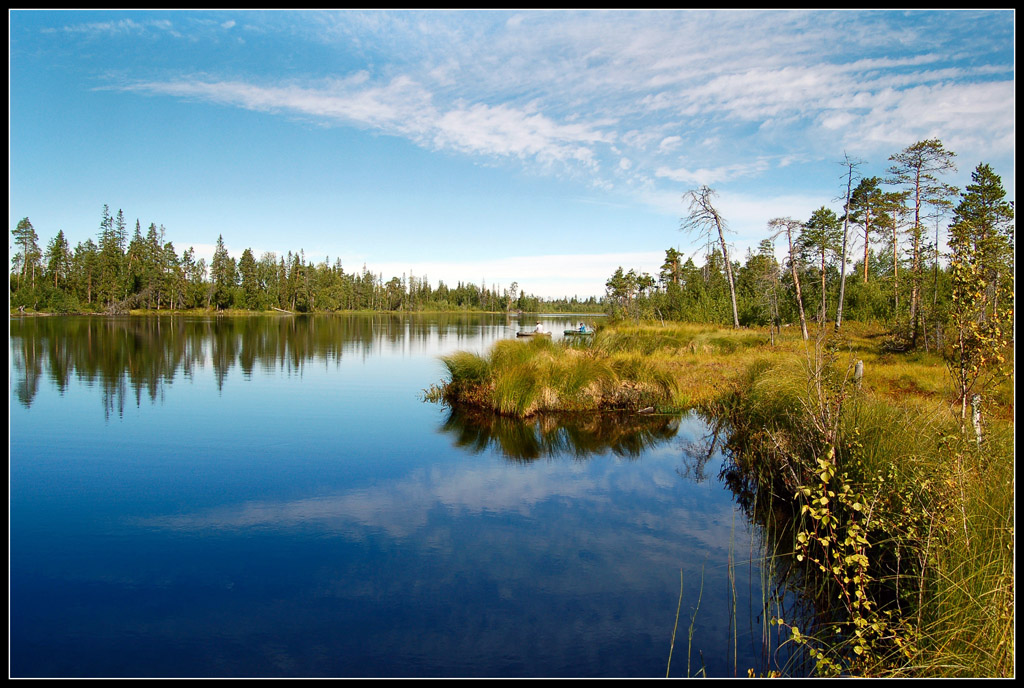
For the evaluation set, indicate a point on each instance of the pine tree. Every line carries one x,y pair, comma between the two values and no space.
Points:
915,169
111,258
58,261
671,269
250,280
154,265
222,277
984,219
821,237
981,312
26,260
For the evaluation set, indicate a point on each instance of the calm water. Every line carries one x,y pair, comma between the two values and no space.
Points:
270,497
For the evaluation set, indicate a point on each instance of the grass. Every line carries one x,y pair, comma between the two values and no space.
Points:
937,506
941,524
525,378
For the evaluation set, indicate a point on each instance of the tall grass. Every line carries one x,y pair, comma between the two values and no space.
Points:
934,509
883,462
524,378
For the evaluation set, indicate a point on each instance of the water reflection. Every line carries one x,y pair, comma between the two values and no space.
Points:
139,356
293,509
576,436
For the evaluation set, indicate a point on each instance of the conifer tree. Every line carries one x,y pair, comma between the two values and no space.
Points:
984,219
58,261
26,260
821,237
981,312
916,169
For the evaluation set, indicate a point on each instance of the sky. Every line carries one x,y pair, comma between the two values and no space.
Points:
543,147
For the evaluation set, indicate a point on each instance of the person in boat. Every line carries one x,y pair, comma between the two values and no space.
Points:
583,328
539,329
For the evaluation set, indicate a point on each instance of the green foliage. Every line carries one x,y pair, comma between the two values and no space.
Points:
904,532
981,308
117,275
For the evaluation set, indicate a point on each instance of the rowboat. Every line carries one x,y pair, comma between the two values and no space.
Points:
533,334
573,333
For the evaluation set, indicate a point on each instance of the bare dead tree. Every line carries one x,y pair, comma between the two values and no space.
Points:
851,166
786,225
705,220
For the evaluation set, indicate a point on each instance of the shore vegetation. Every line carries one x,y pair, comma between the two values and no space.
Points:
898,519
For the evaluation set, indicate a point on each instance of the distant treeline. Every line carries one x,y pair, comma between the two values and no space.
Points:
144,271
888,231
903,276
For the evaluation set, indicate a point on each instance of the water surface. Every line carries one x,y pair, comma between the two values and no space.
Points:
269,496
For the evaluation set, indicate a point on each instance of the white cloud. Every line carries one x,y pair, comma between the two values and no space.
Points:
504,130
400,508
404,107
669,143
714,175
563,91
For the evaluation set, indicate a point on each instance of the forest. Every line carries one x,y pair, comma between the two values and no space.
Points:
117,274
889,231
879,258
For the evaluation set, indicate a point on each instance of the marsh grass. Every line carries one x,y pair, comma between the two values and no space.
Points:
905,517
524,378
934,507
967,612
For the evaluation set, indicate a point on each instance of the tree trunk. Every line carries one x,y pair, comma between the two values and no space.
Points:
728,272
842,260
796,283
915,266
824,301
867,237
895,272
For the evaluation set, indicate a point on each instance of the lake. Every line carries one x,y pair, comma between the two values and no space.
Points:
270,497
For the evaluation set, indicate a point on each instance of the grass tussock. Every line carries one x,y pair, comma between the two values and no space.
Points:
524,378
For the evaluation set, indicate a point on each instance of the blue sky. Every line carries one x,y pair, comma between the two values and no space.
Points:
545,147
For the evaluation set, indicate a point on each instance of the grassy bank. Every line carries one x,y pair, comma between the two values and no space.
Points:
900,525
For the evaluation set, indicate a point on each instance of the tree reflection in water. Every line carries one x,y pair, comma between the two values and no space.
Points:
562,435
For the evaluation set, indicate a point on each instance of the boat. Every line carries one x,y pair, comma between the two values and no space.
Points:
533,334
573,333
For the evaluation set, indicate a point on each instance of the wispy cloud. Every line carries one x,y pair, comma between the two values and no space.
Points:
625,100
711,176
115,28
404,107
400,509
